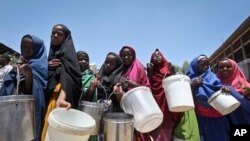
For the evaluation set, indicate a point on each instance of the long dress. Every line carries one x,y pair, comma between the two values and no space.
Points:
165,131
67,76
212,125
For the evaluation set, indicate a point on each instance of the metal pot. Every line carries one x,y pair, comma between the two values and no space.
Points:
17,118
118,127
94,109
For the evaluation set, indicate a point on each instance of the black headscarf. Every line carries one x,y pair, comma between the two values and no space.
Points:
86,54
109,80
69,73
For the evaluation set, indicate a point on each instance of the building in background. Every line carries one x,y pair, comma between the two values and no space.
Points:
236,47
7,50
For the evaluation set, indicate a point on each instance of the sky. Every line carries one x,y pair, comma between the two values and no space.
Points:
180,29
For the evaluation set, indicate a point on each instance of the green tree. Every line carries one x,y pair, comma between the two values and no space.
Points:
13,57
184,67
177,68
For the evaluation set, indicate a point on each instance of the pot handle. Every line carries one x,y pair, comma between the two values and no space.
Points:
18,80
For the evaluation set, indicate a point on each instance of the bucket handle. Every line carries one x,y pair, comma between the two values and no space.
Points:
106,94
106,106
79,101
165,76
215,97
101,87
182,79
17,85
18,80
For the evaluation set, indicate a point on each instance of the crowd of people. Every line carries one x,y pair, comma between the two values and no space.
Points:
63,78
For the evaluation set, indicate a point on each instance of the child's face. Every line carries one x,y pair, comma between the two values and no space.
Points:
225,68
127,57
110,63
27,48
203,65
156,58
83,62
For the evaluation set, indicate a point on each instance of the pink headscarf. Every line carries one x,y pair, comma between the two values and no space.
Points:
136,70
236,78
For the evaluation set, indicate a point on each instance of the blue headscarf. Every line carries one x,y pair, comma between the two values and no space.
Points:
39,64
210,84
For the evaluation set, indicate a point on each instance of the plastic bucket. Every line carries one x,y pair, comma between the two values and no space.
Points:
178,93
224,103
141,104
118,127
67,125
95,110
17,118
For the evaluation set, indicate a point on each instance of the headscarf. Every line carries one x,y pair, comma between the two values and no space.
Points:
83,53
109,80
158,73
88,71
136,71
236,78
69,73
39,65
210,85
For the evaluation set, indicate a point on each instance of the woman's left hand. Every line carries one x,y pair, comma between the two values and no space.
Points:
131,83
246,91
61,102
117,89
226,89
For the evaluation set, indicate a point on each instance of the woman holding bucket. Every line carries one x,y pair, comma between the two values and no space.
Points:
33,67
87,80
109,75
134,73
212,125
160,69
64,75
230,74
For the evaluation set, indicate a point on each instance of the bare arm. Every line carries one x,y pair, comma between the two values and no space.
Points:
61,101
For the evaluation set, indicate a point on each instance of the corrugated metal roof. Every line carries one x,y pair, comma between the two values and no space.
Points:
6,49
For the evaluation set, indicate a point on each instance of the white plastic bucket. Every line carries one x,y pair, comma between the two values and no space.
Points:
224,103
67,125
141,104
178,93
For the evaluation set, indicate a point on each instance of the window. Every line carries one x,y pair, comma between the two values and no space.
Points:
247,50
246,37
238,55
